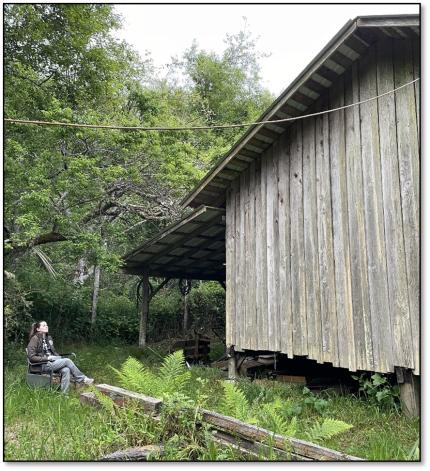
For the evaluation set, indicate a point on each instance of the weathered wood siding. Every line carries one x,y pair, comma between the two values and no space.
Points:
323,231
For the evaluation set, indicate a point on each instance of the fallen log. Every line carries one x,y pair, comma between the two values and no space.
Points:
254,433
91,399
296,449
258,450
120,395
140,453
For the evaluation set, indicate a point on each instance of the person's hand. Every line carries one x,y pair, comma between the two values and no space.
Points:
53,357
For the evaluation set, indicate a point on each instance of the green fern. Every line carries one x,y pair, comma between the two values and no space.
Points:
174,373
134,376
327,429
234,402
173,376
270,417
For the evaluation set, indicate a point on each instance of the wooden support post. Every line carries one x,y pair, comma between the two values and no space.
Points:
185,323
409,391
144,311
232,364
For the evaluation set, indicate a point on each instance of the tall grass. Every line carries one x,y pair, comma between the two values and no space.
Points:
46,425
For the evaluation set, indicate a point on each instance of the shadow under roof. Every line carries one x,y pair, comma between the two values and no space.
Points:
192,248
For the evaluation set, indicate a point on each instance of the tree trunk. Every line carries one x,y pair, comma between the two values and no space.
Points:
82,272
144,311
95,294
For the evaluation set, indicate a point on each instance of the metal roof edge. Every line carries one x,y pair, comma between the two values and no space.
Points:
349,27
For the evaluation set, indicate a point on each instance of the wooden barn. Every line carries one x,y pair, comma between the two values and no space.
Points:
313,224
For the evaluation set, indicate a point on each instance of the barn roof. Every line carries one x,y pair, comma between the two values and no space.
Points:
351,42
193,248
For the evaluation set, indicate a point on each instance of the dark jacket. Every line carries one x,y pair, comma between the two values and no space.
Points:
35,348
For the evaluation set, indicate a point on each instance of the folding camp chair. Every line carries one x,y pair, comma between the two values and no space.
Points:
39,379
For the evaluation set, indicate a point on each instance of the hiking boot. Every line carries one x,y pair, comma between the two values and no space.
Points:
88,380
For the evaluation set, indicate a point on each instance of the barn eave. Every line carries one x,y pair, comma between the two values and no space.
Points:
348,45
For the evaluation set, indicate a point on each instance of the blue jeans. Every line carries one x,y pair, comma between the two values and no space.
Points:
65,367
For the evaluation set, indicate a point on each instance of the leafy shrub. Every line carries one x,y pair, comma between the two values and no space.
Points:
319,404
166,315
67,310
207,307
206,311
378,390
17,309
277,415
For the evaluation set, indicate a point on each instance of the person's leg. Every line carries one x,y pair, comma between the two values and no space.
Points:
65,379
57,365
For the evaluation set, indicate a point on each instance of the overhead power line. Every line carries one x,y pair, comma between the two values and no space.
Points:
199,128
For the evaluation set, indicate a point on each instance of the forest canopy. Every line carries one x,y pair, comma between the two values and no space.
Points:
78,199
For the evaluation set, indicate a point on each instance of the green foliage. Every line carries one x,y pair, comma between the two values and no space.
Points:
378,390
82,432
234,402
276,414
328,428
207,307
105,401
174,373
271,416
85,194
311,400
67,308
172,378
17,308
136,377
414,452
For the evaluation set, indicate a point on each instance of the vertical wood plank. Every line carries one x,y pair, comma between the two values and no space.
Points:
311,240
264,298
374,215
272,247
230,264
286,327
244,255
399,352
258,255
357,235
261,288
325,241
238,272
339,190
416,49
252,269
408,152
298,291
275,219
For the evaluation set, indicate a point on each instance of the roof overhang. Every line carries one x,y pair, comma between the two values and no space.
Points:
349,44
193,248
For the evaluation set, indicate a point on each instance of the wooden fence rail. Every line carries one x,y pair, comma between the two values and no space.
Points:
249,439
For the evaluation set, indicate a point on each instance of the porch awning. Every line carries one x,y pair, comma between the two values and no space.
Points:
193,248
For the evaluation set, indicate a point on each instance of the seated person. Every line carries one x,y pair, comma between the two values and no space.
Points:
41,349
